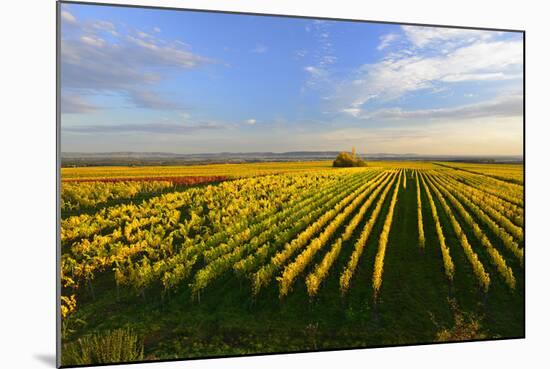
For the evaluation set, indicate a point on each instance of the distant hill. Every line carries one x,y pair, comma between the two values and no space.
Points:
166,158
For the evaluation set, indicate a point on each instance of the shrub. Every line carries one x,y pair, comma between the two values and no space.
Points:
345,159
119,345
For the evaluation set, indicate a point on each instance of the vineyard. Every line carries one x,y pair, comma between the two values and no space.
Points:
228,170
256,258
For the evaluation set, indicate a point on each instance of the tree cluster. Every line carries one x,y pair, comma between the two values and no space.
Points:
346,160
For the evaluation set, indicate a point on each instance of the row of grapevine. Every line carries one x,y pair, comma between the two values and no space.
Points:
490,206
349,270
226,200
141,243
77,195
511,211
505,237
421,237
505,174
264,275
320,272
479,270
447,260
253,261
174,270
269,223
383,243
496,258
291,271
510,195
238,225
273,228
225,260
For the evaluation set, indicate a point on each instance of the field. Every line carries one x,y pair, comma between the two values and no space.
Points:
228,170
228,259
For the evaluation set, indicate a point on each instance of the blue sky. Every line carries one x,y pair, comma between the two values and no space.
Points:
192,82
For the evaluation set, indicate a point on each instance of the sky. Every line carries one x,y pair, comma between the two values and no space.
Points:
153,80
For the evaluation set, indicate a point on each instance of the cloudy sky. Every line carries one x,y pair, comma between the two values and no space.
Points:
191,82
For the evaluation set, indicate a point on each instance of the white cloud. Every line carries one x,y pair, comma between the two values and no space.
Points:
480,77
386,40
122,63
93,41
501,106
327,60
156,29
250,121
396,76
154,128
315,71
318,77
104,26
300,53
436,36
150,100
75,104
68,17
354,112
322,56
143,34
259,49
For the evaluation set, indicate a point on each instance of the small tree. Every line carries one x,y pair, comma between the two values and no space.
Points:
345,159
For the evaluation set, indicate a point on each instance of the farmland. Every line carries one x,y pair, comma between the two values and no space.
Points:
229,170
230,259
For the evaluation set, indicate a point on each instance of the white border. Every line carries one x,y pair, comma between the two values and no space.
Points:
27,32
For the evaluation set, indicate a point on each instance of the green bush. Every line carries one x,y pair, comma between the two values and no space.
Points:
345,159
119,345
